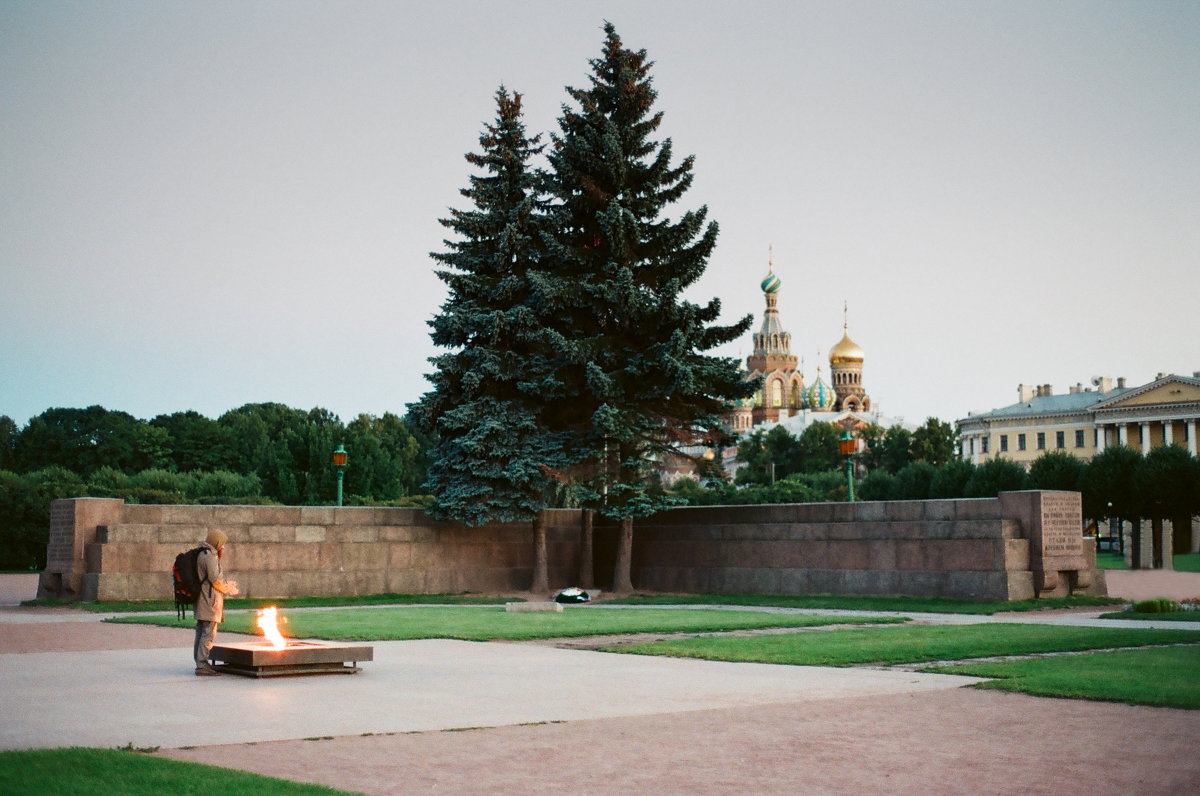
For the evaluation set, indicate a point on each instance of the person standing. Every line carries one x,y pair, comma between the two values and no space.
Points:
210,605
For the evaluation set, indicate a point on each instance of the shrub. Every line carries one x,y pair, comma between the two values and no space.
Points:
232,487
950,480
913,482
876,486
1157,606
995,476
164,481
108,481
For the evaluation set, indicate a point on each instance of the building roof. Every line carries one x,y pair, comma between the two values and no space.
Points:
1069,403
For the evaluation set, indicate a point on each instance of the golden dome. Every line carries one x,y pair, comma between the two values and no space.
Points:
845,351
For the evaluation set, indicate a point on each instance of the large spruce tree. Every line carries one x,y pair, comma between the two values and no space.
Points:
493,454
636,385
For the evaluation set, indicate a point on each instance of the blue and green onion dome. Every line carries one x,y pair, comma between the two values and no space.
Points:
771,284
820,397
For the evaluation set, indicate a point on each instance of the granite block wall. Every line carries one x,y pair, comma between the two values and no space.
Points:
1018,546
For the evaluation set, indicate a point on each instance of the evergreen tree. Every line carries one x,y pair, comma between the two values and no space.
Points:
635,384
493,454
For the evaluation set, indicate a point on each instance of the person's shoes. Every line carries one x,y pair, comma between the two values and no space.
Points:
206,671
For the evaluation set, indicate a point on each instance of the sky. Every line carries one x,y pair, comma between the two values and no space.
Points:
204,205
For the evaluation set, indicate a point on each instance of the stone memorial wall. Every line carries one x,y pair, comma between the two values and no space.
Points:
1017,546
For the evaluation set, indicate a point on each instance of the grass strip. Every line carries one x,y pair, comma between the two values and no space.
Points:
241,603
1169,616
117,772
915,644
897,603
491,623
1186,562
1163,677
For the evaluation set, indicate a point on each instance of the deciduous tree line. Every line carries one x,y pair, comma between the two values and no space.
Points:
1118,484
258,453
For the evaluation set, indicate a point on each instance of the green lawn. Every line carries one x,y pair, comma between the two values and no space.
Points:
1161,676
118,772
1187,562
912,644
1184,562
490,623
901,604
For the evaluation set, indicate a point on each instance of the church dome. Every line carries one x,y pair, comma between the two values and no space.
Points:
820,397
771,283
845,351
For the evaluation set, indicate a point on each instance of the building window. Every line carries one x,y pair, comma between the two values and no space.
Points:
1020,442
983,445
777,393
971,446
1041,439
1004,443
1079,438
1060,439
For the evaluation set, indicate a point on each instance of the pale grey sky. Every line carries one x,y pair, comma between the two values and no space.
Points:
209,204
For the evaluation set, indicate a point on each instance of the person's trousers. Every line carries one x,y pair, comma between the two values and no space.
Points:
206,634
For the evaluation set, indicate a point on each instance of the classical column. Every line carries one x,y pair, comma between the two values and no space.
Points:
1145,437
1168,433
1101,438
1191,435
1122,433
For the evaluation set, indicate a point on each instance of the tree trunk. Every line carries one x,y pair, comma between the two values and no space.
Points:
1181,535
541,578
1156,542
587,576
622,583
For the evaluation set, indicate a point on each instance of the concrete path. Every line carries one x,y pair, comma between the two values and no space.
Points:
534,719
113,697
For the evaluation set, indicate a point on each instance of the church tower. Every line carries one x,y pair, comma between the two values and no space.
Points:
782,391
845,365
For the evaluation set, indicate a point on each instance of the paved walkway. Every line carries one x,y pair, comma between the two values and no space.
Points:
535,719
113,697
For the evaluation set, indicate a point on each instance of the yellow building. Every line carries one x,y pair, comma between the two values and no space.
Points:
1085,421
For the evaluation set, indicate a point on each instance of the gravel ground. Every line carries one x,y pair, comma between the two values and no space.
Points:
944,742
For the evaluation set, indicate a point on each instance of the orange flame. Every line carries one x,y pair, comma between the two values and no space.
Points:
268,623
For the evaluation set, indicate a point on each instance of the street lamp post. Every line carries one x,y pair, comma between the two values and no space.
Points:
847,445
339,461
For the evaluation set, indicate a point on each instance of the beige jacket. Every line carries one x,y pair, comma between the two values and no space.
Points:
210,605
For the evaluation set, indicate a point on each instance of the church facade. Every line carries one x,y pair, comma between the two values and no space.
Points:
785,396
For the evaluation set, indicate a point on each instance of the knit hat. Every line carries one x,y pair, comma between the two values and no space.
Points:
216,539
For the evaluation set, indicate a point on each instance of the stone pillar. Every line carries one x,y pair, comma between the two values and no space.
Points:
1168,432
1144,441
73,524
1101,438
1122,433
1191,436
1053,523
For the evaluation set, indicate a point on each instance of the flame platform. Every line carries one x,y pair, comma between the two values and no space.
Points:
260,659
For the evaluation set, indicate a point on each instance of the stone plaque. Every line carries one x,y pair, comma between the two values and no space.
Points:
1061,524
1054,524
